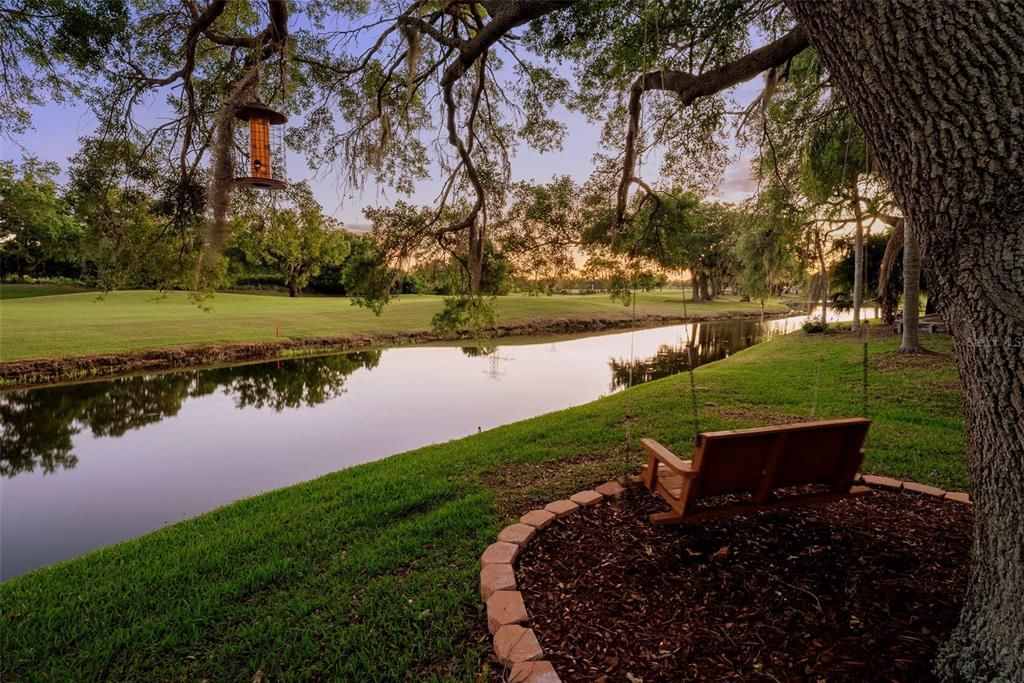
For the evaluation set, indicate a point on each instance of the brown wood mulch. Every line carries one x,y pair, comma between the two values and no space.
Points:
863,589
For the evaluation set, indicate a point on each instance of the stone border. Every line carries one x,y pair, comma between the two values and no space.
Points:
896,484
515,644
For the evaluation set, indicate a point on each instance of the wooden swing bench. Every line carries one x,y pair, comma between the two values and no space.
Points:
756,463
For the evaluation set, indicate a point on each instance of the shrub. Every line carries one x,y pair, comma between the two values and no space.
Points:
815,326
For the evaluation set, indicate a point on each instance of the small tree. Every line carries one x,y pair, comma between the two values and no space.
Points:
834,156
297,241
36,228
873,254
140,229
765,250
646,280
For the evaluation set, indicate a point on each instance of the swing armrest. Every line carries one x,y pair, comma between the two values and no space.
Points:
669,459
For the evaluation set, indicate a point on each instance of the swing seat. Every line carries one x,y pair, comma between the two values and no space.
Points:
751,466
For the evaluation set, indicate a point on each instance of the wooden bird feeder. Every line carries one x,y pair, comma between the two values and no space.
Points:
261,163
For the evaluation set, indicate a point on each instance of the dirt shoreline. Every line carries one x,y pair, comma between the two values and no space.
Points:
42,371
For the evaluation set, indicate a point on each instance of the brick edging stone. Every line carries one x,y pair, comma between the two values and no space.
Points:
934,491
515,644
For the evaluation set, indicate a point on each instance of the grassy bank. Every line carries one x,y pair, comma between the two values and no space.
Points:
16,291
82,324
371,573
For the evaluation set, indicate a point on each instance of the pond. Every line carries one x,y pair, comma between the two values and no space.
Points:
90,464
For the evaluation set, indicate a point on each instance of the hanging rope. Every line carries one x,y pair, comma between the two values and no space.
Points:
817,377
627,466
864,323
693,392
688,340
686,326
824,311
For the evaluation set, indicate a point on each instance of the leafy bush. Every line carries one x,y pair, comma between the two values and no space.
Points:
11,278
412,283
472,314
842,301
260,281
815,326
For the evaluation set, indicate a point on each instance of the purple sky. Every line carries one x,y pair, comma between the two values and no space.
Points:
58,127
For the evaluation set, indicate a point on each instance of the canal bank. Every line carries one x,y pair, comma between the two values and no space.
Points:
43,371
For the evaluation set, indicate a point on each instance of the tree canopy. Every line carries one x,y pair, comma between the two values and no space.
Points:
297,240
36,226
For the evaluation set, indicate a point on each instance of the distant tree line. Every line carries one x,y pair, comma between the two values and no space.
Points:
112,226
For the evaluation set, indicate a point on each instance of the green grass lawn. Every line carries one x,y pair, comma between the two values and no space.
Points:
370,574
83,324
16,291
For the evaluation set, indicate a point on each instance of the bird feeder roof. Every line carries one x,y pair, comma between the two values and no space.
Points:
261,183
257,108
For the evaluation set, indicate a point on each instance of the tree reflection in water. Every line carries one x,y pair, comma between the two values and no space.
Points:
37,426
711,342
478,351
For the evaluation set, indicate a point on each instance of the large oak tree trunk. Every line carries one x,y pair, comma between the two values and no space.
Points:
911,342
951,147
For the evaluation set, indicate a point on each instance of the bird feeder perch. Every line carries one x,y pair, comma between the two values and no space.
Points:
261,163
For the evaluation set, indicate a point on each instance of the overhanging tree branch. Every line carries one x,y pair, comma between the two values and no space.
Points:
690,87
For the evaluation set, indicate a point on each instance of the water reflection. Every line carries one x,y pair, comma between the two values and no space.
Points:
703,343
478,350
91,464
39,425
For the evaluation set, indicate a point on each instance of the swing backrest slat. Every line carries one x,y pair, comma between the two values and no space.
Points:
819,452
759,461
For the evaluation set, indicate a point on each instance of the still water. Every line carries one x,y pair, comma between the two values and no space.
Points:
86,465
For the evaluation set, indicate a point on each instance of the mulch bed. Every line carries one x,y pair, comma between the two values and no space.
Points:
864,589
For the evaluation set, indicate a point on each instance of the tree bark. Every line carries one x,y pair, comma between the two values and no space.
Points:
887,297
931,303
951,149
293,288
911,342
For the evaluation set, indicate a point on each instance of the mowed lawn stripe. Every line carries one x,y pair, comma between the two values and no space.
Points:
85,324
